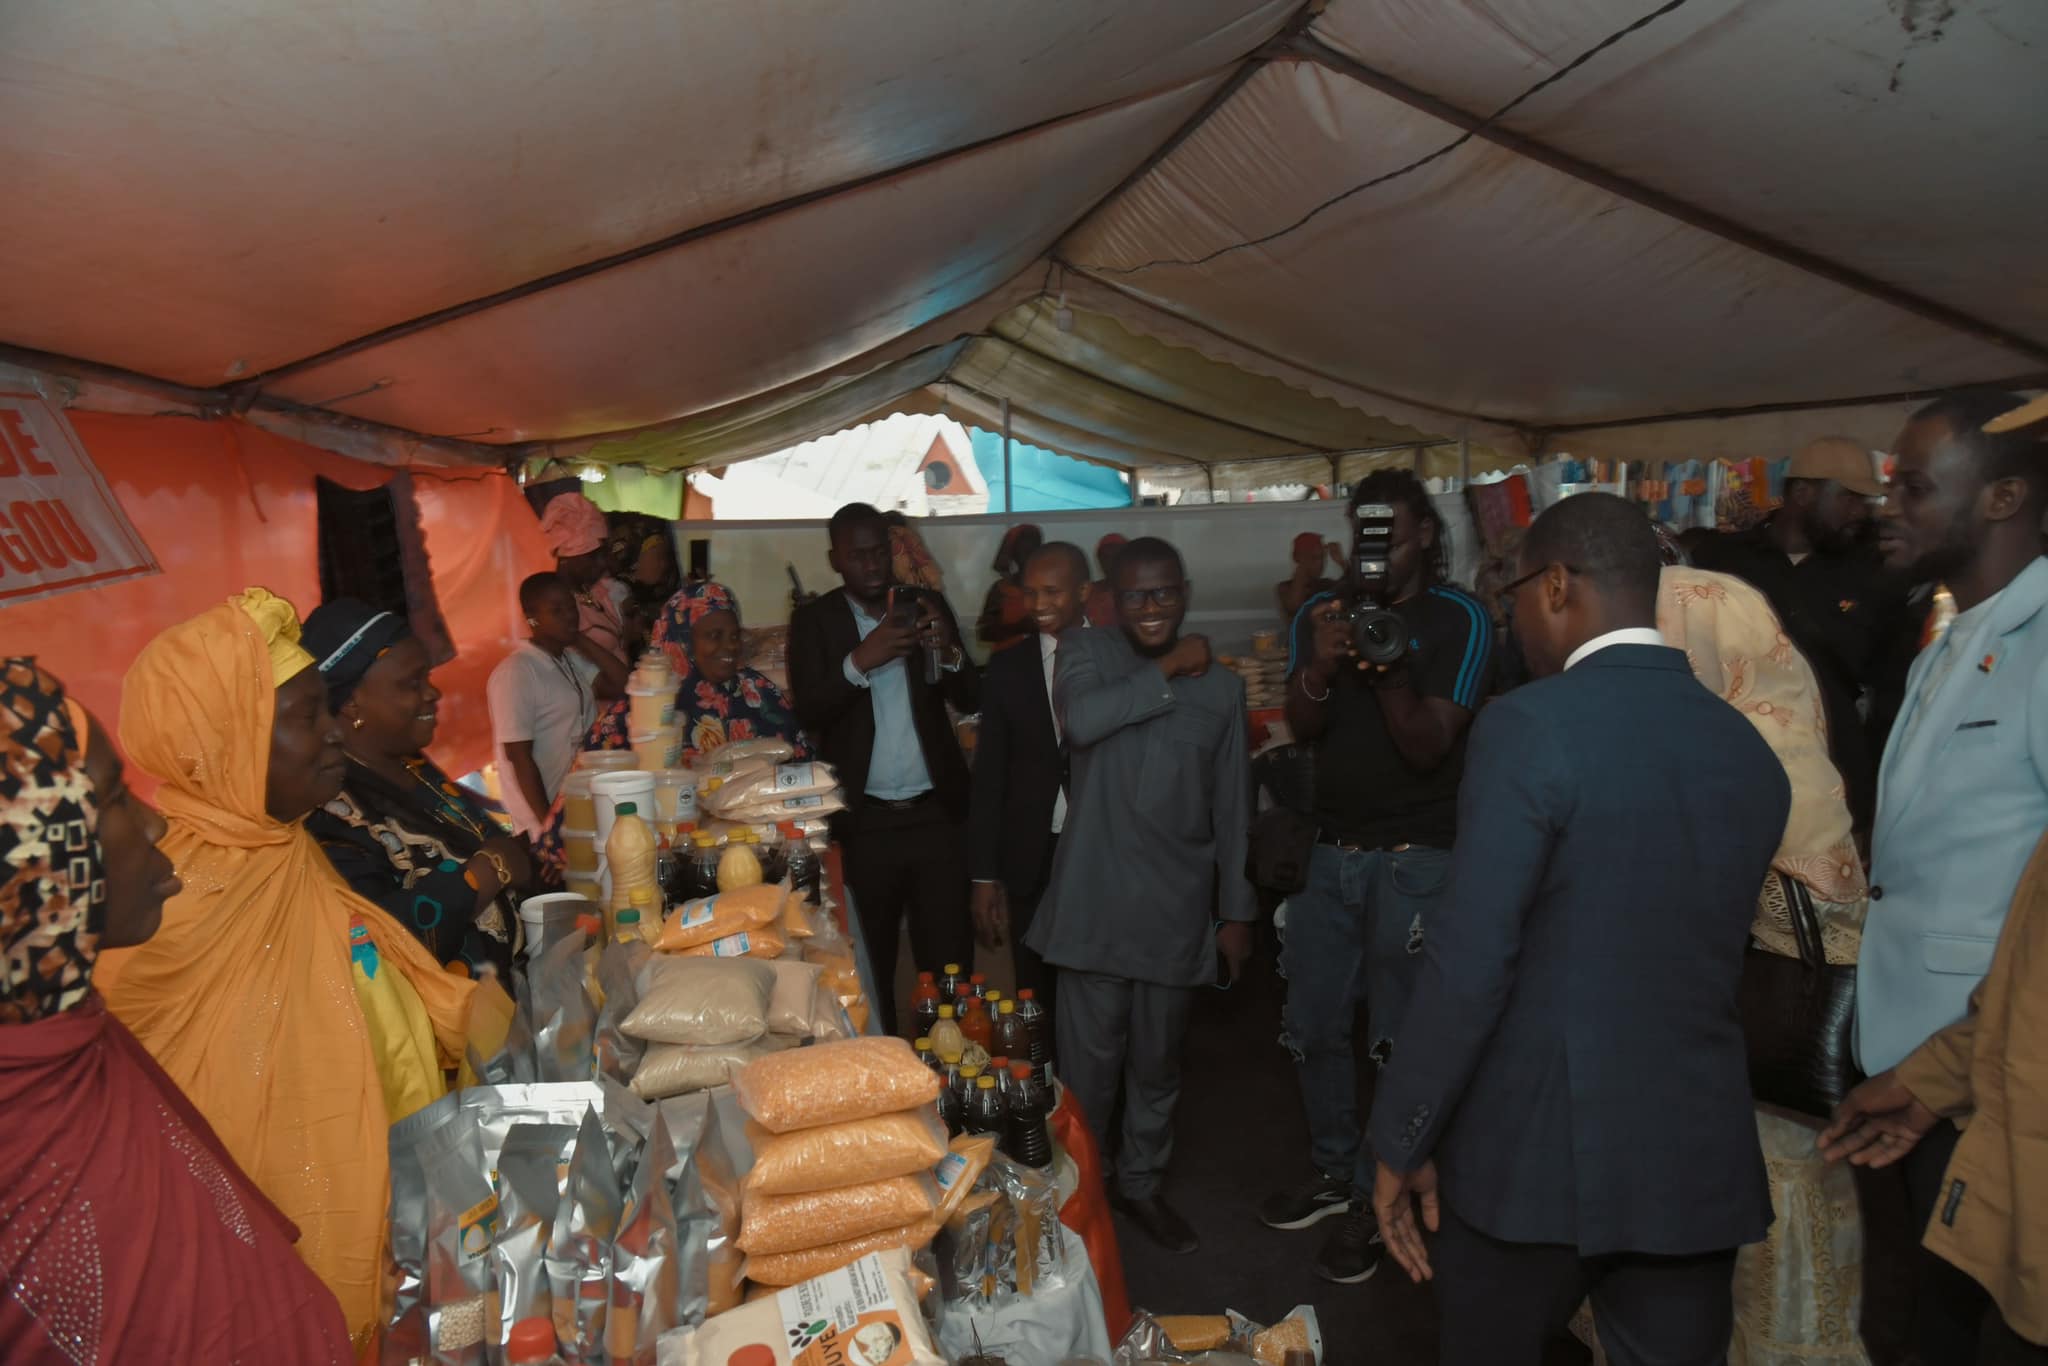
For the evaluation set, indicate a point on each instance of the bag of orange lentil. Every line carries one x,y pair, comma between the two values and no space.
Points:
794,1268
829,1083
765,942
717,917
791,1223
846,1154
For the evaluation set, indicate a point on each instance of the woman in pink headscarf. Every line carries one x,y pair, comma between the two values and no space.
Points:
578,533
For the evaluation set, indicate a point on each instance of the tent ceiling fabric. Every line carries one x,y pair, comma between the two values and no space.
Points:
679,235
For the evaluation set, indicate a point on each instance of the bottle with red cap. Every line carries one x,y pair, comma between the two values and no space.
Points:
532,1343
1039,1023
978,983
924,1006
1025,1137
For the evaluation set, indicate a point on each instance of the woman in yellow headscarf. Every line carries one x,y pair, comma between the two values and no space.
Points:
299,1018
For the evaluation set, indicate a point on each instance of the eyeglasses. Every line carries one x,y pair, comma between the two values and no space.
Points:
1132,599
1506,596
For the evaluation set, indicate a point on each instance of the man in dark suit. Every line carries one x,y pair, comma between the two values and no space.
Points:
1570,1102
1020,768
858,660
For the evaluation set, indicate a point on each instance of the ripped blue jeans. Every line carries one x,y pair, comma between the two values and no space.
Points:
1356,928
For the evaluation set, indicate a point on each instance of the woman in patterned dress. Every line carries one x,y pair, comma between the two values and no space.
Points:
401,831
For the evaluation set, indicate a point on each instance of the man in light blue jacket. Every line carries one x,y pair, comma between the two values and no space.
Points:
1963,792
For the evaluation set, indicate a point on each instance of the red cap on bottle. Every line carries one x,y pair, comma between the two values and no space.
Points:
999,1064
1021,1071
530,1340
924,977
1027,994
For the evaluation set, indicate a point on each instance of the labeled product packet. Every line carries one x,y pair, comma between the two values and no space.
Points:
579,1258
619,1053
407,1337
531,1169
646,1270
866,1312
462,1311
565,1018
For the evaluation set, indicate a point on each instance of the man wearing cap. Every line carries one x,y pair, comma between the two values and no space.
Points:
1814,558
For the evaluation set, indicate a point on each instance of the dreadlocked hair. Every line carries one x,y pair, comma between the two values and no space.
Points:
1401,486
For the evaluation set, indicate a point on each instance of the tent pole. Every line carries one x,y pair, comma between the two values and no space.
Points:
1009,498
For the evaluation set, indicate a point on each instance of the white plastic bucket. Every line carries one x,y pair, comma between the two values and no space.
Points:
534,913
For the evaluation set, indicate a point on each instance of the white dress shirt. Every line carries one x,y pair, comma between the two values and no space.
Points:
1048,650
1627,635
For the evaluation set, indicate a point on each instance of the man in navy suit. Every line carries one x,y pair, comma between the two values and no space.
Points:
1019,805
1570,1105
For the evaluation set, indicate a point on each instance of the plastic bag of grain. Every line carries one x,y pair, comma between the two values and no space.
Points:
676,1069
790,1223
832,1082
792,1268
702,1001
847,1154
714,917
766,942
793,1007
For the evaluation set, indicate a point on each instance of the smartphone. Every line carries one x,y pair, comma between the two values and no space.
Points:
903,607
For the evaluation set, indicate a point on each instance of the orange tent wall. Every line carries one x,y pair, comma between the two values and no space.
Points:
224,505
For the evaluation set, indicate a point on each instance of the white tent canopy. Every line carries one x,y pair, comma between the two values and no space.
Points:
684,234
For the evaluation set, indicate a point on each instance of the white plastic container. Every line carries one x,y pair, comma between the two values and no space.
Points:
533,914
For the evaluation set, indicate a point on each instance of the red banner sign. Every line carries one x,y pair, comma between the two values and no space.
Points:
60,527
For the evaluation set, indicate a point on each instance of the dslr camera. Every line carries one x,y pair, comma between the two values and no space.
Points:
1377,632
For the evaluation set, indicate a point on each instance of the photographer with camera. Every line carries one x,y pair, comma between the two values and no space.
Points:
1384,678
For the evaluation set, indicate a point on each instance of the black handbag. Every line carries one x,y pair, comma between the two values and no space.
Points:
1797,1017
1283,837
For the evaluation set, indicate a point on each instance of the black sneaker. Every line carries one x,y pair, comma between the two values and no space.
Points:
1300,1206
1352,1251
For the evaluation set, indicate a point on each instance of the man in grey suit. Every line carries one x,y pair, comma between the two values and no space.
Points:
1154,846
1572,1068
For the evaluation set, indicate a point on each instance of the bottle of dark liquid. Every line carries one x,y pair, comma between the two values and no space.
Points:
978,984
963,1086
1012,1035
926,1054
999,1068
1026,1139
1039,1024
987,1114
924,1006
951,983
952,1108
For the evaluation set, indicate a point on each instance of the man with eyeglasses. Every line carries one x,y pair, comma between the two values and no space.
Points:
1152,849
1389,753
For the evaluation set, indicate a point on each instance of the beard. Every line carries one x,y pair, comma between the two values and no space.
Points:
1151,651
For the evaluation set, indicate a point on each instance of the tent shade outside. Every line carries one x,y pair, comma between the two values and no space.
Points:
680,236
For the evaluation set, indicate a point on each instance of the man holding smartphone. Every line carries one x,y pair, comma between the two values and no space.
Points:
871,669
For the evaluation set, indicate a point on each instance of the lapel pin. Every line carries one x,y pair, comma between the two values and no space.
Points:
1986,664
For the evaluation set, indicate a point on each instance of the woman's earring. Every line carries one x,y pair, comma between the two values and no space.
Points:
530,621
357,723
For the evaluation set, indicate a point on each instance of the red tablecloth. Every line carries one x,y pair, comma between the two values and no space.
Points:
1087,1214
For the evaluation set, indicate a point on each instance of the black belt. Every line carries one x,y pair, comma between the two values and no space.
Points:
898,803
1353,846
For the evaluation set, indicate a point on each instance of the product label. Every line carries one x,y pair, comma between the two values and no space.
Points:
790,777
476,1223
697,913
802,803
845,1317
732,946
949,1170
